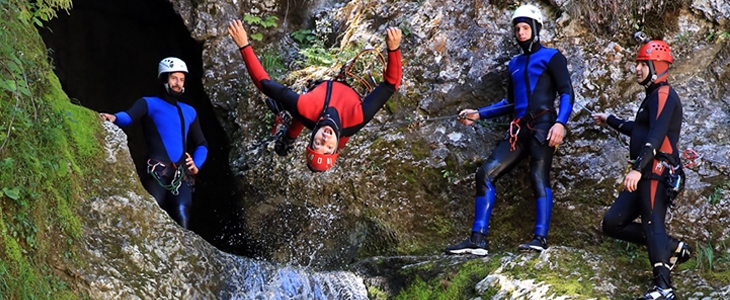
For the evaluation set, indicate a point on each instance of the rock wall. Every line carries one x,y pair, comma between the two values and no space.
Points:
401,188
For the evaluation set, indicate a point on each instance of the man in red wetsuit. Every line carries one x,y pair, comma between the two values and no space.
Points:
656,175
332,110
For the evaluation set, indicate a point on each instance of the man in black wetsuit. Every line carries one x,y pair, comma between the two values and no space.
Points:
168,126
656,172
536,77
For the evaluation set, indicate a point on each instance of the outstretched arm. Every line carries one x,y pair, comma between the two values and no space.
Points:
394,71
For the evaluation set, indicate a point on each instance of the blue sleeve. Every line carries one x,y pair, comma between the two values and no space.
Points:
558,68
123,119
196,137
134,114
497,109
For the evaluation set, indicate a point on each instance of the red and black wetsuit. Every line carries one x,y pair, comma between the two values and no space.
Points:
346,109
654,135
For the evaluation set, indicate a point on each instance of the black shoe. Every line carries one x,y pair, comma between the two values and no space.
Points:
657,293
680,255
476,244
283,145
538,243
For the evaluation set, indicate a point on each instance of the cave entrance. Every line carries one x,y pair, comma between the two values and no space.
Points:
106,53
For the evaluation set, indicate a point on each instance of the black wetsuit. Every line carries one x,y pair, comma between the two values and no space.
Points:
166,144
655,129
537,76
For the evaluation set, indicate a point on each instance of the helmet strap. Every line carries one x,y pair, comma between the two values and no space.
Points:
652,74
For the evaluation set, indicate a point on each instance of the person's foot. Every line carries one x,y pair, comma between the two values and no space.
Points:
283,144
476,244
538,243
681,254
657,293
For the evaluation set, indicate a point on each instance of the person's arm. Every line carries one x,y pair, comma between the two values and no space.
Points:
394,71
620,125
660,116
125,118
196,137
558,68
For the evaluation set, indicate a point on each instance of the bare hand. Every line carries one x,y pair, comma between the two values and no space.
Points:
238,33
191,164
556,134
392,38
468,116
108,117
632,180
600,119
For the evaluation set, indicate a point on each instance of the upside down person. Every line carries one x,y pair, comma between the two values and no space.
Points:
333,110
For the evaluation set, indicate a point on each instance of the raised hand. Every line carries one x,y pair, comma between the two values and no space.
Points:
238,33
392,38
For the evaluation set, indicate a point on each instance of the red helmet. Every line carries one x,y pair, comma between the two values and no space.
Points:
320,162
656,51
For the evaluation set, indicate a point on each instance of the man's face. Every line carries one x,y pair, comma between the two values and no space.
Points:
176,81
642,71
523,32
325,140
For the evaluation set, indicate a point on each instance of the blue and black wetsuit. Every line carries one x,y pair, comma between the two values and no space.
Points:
166,142
654,136
537,77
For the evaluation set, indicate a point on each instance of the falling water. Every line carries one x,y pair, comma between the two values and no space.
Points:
253,279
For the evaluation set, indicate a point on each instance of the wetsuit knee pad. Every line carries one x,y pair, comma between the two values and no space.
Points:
483,180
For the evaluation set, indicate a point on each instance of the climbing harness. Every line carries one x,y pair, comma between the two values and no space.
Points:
514,126
353,65
161,173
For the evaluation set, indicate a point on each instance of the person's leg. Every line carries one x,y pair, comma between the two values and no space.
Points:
541,159
180,205
156,190
618,221
500,161
653,211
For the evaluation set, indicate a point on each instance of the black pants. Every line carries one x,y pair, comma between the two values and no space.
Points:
502,160
649,201
177,207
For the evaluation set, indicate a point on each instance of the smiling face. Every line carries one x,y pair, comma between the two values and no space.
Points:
642,71
523,32
325,140
176,81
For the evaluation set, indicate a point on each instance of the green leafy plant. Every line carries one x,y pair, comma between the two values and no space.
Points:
266,22
304,36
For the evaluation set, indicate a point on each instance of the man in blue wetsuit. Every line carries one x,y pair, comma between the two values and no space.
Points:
169,126
537,77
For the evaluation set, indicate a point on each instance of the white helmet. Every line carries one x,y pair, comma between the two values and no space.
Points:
171,64
528,11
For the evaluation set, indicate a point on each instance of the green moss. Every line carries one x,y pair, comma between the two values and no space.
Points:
446,281
48,148
376,294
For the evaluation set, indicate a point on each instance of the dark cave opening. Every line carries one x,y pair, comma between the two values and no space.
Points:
106,53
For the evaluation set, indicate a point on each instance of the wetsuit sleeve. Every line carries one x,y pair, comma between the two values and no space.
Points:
134,114
497,109
294,129
343,141
558,68
660,116
394,71
195,136
622,126
253,66
283,95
